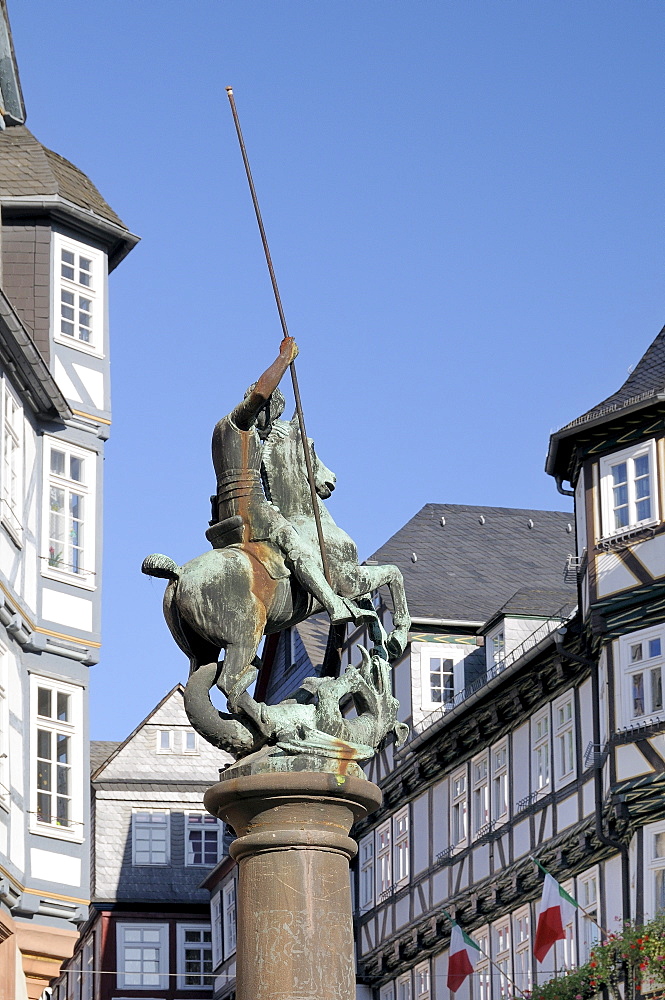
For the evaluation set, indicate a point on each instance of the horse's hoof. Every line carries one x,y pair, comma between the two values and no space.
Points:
396,643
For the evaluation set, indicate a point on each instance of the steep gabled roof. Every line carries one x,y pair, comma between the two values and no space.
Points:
117,747
471,560
100,751
644,386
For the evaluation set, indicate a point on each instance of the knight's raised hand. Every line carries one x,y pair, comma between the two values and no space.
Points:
288,349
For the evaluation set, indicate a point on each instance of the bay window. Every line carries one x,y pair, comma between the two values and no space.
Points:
79,295
11,470
642,655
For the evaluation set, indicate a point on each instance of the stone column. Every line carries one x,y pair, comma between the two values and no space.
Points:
295,935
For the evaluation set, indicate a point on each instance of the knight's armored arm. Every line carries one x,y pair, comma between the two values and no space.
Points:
245,413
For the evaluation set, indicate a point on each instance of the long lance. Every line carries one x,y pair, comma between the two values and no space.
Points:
282,319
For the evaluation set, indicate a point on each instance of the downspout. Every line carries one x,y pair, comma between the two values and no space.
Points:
616,845
559,485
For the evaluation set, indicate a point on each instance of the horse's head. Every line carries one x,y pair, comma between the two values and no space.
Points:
324,479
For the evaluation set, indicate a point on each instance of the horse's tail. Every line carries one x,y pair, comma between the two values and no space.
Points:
162,566
222,730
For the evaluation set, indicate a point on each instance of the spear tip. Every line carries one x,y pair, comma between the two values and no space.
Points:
229,90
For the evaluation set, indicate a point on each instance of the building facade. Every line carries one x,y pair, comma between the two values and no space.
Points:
59,240
533,686
148,932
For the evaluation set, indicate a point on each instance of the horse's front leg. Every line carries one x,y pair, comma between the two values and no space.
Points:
238,671
369,578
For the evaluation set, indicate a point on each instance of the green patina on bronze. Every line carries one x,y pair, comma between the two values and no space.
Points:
265,573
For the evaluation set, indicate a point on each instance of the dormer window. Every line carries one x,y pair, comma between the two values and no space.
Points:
78,306
628,489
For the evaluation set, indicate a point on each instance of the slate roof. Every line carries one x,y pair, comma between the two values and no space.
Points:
541,602
28,169
644,385
100,751
314,634
469,567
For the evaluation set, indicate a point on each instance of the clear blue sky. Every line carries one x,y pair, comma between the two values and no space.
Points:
464,202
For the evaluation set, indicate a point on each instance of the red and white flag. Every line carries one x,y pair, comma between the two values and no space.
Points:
556,911
463,955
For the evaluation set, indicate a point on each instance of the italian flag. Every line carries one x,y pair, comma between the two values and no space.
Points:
464,953
556,910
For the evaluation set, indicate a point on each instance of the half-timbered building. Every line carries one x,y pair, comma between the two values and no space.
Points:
59,240
533,687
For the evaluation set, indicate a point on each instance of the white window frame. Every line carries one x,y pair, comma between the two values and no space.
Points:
588,896
495,646
230,917
500,783
455,652
387,991
541,751
190,751
654,869
566,949
563,738
161,946
384,870
12,446
4,730
87,968
401,850
201,822
480,794
159,748
138,822
502,956
181,945
647,665
522,949
459,808
404,987
366,873
422,979
73,729
628,455
85,576
94,293
482,981
217,929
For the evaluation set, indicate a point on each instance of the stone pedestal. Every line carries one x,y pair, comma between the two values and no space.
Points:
295,939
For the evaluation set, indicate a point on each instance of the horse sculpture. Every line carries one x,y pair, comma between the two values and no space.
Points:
229,597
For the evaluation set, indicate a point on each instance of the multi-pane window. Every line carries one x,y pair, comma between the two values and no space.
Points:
216,929
366,872
12,458
387,992
501,949
644,675
540,747
480,794
401,841
79,303
497,645
628,488
482,981
655,838
564,737
229,917
70,527
54,739
458,808
404,987
194,956
143,956
202,832
421,977
441,679
587,897
383,859
150,838
499,760
4,731
566,950
522,947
